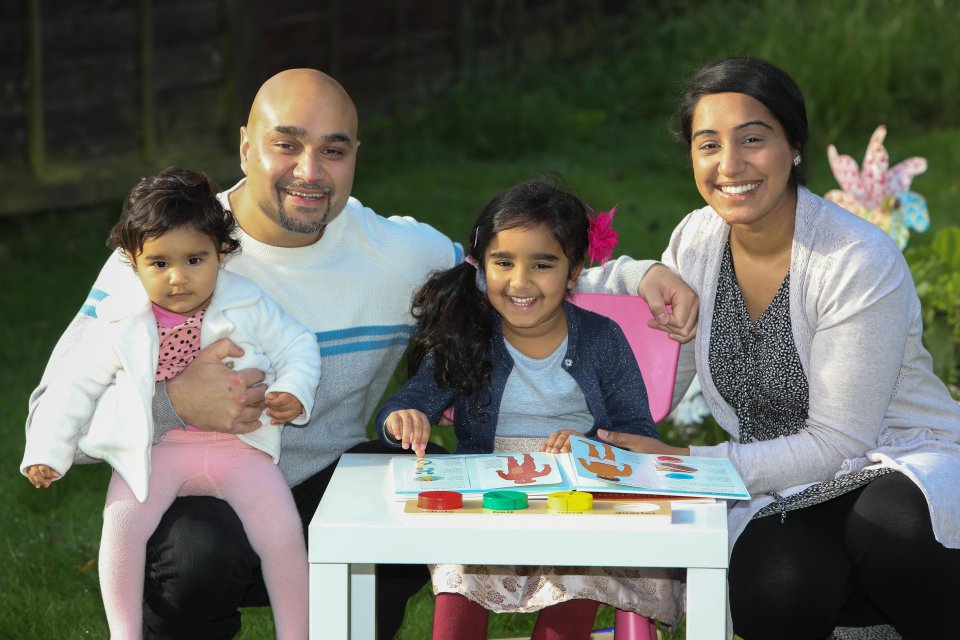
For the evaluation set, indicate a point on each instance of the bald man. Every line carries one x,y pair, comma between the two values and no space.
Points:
348,275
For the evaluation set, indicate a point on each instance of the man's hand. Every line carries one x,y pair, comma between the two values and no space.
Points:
41,475
661,287
411,428
210,395
641,444
282,407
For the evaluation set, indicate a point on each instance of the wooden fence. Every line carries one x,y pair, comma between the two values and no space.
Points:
94,93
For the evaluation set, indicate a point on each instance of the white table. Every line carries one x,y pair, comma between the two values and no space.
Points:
358,524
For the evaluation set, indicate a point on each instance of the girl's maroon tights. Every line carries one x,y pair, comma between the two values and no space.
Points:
457,618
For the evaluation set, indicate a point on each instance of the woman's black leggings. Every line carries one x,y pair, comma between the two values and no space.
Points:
865,558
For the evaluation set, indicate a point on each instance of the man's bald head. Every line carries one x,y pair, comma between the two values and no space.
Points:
298,151
304,86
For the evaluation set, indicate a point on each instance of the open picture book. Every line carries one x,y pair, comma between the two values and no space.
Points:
589,466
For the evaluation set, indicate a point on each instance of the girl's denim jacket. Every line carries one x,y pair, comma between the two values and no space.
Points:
598,357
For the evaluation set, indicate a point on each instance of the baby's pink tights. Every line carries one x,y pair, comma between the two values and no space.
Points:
208,464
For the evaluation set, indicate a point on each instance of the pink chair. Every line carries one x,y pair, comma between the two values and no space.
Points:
656,354
657,357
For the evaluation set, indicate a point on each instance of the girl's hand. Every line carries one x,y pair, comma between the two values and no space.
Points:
559,441
40,475
641,444
282,407
411,428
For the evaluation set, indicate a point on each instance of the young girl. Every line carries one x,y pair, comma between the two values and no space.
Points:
523,369
175,235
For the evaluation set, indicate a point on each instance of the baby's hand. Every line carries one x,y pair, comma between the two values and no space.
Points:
559,441
41,475
411,428
282,407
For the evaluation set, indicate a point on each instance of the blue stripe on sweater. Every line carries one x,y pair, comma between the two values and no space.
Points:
403,339
90,307
365,345
370,330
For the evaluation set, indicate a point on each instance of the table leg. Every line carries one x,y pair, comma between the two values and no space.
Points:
706,604
363,602
329,602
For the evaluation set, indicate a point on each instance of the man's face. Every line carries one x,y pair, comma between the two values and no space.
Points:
299,156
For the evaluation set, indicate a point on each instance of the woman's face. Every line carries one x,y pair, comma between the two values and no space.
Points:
742,160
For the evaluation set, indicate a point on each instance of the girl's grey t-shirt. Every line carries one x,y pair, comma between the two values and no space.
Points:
540,397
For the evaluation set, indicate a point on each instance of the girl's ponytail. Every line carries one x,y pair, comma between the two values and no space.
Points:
453,326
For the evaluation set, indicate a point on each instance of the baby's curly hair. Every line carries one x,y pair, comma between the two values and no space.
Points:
173,198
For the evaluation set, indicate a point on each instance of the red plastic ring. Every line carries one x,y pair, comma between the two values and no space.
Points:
439,500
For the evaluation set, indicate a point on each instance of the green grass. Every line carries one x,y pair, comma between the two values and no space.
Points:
601,123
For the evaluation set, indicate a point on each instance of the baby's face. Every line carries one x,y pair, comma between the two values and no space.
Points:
179,269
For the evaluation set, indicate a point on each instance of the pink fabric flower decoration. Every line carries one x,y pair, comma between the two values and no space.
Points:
601,235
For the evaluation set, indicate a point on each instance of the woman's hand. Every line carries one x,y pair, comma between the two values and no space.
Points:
641,444
411,428
661,287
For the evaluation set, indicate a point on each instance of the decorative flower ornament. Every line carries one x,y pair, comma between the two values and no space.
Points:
601,235
879,194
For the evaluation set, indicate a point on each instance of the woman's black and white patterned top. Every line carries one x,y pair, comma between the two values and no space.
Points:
756,368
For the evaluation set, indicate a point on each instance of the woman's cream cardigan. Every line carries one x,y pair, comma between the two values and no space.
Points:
874,400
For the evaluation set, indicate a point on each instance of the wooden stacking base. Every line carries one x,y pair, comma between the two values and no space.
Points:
647,509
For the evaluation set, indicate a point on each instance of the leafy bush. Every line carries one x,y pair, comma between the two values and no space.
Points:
936,272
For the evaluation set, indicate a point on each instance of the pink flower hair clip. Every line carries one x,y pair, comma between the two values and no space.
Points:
602,237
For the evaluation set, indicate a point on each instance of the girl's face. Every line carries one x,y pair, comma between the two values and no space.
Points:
742,160
179,269
527,277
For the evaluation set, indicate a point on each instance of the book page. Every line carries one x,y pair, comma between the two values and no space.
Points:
412,475
477,473
516,470
601,466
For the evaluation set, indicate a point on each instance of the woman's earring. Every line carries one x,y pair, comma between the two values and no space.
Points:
797,160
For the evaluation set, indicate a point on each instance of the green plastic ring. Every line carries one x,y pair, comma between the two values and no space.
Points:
505,500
